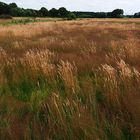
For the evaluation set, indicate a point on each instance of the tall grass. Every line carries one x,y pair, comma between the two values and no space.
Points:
76,80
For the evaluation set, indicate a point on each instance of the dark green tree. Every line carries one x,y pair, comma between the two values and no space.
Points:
43,12
137,15
13,5
30,13
4,8
63,12
117,13
53,12
18,12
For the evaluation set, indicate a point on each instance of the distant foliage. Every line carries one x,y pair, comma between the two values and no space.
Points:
13,10
4,8
53,12
5,17
43,12
117,13
137,15
62,12
71,16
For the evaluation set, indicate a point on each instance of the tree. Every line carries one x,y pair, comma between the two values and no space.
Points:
18,12
117,13
4,8
137,15
43,12
13,5
30,13
53,12
63,12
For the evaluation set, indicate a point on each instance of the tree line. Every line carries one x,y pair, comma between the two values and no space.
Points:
117,13
13,10
137,15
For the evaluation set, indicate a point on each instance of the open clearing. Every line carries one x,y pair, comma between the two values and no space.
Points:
70,80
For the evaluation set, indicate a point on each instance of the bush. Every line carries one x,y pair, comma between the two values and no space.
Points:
137,15
71,16
5,17
85,16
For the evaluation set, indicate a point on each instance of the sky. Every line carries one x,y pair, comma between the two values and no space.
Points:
129,6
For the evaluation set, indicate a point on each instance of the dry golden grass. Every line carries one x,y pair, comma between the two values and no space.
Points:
70,80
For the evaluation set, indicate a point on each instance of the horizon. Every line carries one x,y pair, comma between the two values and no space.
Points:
81,5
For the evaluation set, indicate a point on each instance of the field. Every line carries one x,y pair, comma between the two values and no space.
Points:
70,80
26,20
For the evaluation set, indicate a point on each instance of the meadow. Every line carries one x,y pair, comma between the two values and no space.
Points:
70,80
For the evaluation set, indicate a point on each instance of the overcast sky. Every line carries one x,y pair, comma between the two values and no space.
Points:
129,6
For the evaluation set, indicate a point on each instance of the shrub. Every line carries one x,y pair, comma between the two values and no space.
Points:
71,16
5,17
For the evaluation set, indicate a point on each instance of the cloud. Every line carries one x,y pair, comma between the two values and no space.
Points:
129,6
